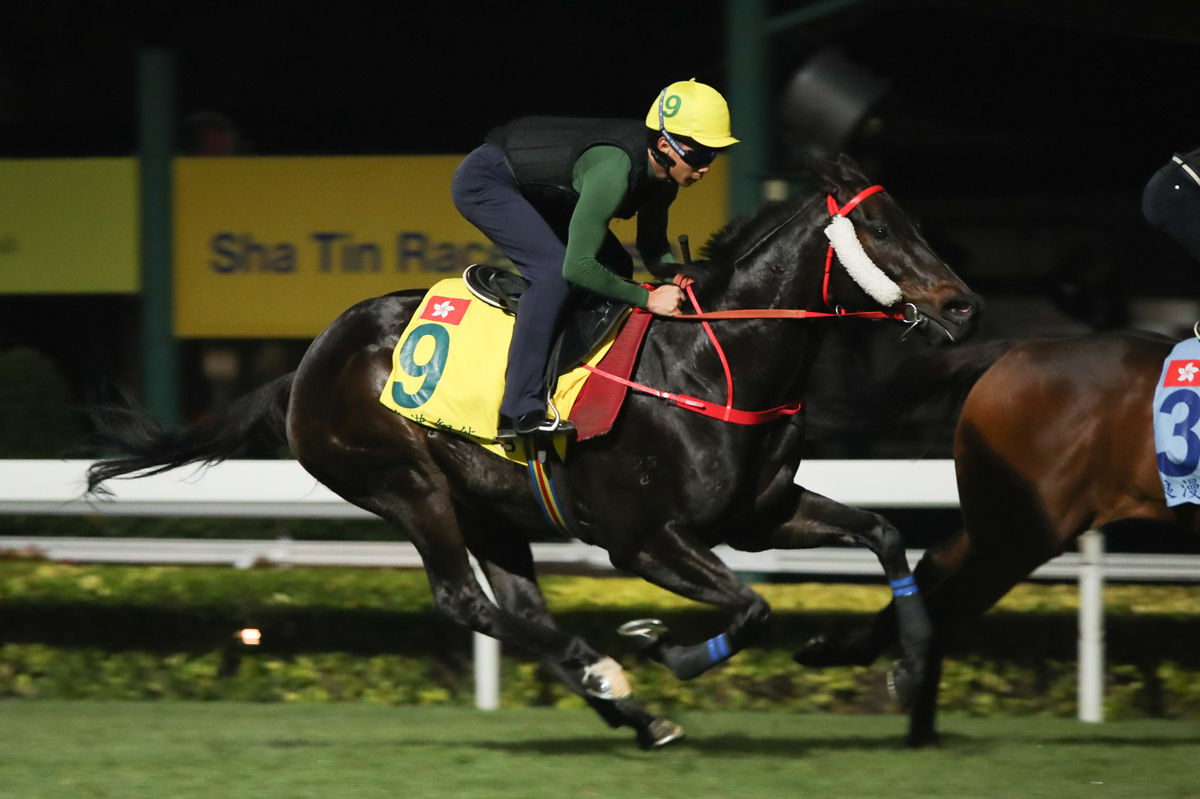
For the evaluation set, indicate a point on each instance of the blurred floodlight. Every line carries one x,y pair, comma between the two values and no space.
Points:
220,363
250,636
827,99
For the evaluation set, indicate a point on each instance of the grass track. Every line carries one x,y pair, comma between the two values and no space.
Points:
231,751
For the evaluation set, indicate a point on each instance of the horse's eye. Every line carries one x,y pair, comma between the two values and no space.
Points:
880,233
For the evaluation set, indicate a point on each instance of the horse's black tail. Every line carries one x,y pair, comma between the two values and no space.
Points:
147,446
938,380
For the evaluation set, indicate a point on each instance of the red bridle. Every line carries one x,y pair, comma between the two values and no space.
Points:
845,211
728,413
789,313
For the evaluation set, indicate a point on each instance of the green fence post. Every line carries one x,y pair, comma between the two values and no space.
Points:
156,129
747,102
750,31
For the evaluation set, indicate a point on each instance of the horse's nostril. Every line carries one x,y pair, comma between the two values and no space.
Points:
959,309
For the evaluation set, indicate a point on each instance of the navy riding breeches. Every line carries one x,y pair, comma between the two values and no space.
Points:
486,194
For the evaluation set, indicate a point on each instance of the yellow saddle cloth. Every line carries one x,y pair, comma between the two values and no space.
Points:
448,367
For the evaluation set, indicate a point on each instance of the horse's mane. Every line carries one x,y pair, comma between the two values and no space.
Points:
728,247
731,242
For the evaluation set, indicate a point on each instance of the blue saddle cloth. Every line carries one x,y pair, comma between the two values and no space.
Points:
1176,416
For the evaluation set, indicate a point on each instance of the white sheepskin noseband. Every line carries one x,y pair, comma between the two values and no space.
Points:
859,266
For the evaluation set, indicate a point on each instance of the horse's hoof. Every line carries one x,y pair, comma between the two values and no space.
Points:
820,651
923,738
646,633
605,679
901,686
816,653
658,734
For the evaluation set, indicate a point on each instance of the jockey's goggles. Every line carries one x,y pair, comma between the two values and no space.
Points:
696,158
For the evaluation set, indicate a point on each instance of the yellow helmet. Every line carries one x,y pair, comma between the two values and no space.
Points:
688,108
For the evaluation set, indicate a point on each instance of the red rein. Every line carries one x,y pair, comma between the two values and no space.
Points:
728,413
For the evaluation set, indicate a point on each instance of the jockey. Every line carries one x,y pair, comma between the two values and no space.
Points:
1171,201
544,189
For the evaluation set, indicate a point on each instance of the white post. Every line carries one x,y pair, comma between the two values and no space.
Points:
1091,627
487,655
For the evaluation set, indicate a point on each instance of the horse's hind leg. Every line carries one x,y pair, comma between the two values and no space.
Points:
508,564
681,563
423,509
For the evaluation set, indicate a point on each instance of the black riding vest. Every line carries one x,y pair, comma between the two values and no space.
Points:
542,151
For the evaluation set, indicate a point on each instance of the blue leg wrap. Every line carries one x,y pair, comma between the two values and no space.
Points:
904,587
718,648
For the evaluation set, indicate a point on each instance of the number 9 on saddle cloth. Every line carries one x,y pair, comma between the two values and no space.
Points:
449,363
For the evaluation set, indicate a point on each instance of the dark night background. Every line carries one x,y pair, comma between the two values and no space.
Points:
1009,96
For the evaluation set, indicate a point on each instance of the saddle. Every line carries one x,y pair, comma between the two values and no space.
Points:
587,320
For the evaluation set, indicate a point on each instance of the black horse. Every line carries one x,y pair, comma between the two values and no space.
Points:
658,491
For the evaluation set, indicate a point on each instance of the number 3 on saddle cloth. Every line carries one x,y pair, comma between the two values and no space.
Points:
448,373
1176,416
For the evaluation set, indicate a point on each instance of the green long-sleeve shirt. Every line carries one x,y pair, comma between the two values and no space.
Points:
601,177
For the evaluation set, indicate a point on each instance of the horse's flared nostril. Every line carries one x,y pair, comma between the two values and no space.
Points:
960,310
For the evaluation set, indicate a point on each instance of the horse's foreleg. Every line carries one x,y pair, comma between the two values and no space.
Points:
817,521
514,584
682,564
863,644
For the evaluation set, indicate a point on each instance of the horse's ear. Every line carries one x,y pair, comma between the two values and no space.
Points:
823,173
849,164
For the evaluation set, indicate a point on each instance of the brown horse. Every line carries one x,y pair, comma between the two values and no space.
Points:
1055,438
658,491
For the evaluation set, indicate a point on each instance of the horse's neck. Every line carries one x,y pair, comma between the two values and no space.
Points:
769,359
784,273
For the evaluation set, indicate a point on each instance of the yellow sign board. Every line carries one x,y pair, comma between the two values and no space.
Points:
279,247
69,226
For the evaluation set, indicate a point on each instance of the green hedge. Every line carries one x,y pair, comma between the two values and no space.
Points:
372,635
754,680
